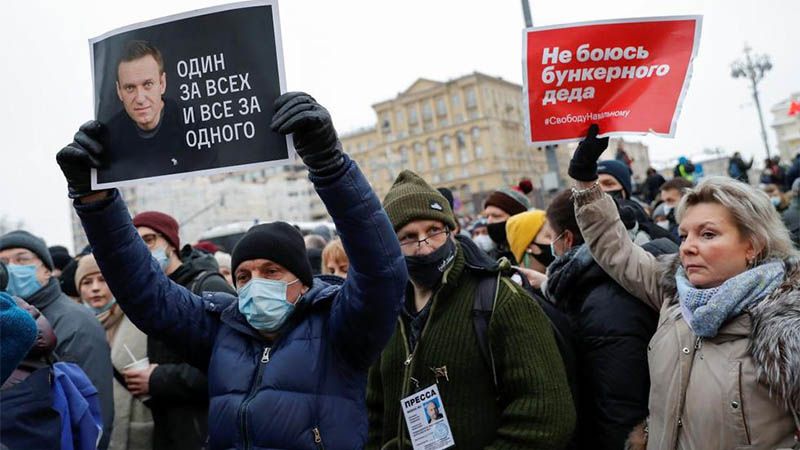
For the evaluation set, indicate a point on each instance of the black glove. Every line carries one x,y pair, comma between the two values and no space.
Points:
583,166
315,138
79,157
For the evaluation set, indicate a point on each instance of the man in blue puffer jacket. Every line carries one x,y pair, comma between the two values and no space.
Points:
287,362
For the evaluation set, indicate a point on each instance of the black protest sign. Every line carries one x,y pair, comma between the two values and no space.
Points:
190,94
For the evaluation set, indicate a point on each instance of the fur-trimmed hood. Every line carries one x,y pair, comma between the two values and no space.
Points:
775,337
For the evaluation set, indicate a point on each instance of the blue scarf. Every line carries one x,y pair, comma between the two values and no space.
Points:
705,310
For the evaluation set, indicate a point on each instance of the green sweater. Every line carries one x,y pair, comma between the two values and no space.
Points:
534,407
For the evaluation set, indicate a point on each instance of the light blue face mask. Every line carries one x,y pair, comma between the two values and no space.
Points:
160,255
22,280
264,304
102,309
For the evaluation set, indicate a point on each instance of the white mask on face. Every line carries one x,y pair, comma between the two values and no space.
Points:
663,224
484,242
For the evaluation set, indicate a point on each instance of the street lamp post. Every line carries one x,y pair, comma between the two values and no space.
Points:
753,67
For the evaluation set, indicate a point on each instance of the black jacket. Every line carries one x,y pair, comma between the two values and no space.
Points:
612,330
179,391
652,186
133,156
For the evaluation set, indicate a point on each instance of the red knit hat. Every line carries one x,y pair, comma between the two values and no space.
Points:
162,223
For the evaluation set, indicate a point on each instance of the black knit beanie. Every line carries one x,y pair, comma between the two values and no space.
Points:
278,242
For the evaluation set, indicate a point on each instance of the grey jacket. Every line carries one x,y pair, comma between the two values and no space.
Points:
81,340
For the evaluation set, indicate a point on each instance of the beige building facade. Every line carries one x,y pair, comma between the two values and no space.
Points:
465,134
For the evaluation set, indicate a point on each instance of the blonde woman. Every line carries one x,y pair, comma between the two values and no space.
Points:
133,423
725,358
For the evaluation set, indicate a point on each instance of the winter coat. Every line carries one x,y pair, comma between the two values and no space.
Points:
732,391
532,407
791,218
133,421
612,329
27,418
306,389
179,391
652,186
737,169
81,340
75,399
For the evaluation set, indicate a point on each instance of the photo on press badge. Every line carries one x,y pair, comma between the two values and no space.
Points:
190,94
432,410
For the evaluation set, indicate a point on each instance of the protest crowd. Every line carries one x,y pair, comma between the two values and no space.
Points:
657,315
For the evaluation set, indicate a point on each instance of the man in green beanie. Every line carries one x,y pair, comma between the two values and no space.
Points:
516,398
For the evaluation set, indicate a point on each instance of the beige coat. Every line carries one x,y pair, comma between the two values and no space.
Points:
732,391
133,422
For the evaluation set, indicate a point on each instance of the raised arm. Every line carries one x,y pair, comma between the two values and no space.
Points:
156,305
627,263
364,313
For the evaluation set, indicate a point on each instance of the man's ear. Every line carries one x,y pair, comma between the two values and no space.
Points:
569,239
163,82
119,91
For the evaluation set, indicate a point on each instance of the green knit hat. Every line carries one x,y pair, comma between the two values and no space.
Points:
411,198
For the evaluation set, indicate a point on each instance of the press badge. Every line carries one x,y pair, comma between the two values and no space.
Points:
426,420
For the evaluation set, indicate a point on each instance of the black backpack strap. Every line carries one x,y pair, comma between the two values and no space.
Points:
484,303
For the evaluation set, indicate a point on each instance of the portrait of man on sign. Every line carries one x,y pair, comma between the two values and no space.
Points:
149,125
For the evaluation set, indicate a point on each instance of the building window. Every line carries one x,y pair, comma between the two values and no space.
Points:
456,100
386,123
403,156
476,133
399,118
412,115
448,157
472,101
419,157
460,139
478,151
445,141
441,108
432,146
464,154
427,111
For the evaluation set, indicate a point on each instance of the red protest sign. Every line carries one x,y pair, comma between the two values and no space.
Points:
627,76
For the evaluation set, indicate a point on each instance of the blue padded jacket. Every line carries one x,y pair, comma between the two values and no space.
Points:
306,389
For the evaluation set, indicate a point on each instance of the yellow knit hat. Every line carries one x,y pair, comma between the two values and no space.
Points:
522,228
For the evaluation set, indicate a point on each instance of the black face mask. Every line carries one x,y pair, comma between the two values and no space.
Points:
617,195
427,270
545,257
497,231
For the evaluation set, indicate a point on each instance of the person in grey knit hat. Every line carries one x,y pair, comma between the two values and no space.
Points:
81,338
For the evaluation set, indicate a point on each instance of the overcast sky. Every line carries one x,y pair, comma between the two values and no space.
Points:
352,54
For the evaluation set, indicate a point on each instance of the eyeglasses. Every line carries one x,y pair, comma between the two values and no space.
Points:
21,259
150,239
436,237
